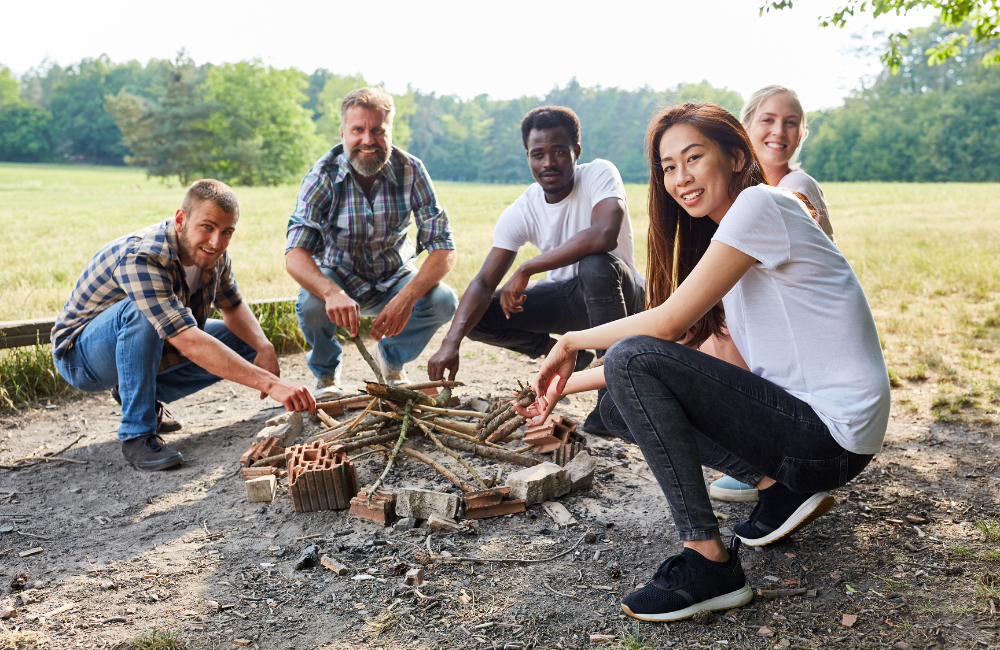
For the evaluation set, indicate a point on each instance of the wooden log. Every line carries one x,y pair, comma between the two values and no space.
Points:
398,394
489,452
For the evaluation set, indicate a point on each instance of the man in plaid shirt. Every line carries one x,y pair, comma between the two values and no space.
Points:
348,246
137,323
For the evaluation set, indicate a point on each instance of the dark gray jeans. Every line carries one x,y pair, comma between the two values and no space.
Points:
685,409
603,291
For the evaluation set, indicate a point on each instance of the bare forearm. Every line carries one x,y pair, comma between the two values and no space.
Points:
241,322
215,357
471,308
437,265
302,267
591,241
581,382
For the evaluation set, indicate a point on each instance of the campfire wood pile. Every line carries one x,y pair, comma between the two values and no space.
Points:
321,474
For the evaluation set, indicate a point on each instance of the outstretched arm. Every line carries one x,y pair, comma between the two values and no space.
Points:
473,305
215,357
602,237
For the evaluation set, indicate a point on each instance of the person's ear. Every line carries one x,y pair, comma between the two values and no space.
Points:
179,219
576,150
739,160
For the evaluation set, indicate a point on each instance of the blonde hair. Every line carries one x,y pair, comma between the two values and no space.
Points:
372,98
752,105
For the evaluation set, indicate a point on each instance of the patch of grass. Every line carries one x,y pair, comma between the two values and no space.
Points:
894,380
927,608
158,639
629,639
990,556
29,375
918,373
961,551
990,528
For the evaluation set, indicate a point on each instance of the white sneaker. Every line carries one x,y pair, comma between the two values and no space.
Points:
328,388
392,377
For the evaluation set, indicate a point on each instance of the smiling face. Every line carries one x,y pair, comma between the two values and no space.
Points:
204,234
775,131
552,156
367,139
696,172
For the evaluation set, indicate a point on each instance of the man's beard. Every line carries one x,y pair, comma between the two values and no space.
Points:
192,252
368,165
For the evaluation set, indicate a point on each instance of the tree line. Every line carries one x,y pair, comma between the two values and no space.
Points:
252,124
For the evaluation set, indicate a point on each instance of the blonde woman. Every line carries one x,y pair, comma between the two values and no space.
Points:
776,124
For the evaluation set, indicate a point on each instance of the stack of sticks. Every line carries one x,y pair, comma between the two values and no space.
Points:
392,414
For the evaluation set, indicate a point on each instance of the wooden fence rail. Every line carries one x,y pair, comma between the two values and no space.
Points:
24,333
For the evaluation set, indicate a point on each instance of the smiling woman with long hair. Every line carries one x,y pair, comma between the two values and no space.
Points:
806,417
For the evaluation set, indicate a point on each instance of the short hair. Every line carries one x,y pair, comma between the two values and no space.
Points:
752,105
209,189
372,98
550,117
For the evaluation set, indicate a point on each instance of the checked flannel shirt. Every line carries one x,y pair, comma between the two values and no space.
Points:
364,240
145,267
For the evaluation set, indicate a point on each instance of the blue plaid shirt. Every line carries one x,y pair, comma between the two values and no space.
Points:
145,267
364,240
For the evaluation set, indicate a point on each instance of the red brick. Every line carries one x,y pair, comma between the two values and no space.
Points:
508,507
319,479
484,498
382,509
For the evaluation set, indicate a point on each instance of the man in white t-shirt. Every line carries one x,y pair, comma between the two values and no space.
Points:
577,216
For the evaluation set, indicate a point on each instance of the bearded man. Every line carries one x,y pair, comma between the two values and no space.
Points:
137,323
349,250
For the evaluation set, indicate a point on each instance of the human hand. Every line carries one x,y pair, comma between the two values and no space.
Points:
342,310
294,397
393,317
267,359
550,382
511,296
446,358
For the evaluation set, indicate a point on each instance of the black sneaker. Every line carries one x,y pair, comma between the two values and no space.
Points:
594,424
690,583
165,422
779,512
150,453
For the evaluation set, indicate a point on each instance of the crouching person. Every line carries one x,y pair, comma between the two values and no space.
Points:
137,324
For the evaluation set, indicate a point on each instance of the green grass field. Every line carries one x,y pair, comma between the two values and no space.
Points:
925,253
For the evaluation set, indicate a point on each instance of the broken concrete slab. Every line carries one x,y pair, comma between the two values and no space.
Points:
581,472
437,522
292,418
406,523
559,514
539,483
261,489
421,504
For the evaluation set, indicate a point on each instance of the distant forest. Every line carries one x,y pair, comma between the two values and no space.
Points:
252,124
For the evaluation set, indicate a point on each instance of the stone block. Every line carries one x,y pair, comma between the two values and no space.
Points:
539,483
436,523
262,489
406,523
421,504
291,418
414,577
581,472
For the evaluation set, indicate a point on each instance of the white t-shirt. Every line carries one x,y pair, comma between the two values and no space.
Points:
801,182
801,320
549,225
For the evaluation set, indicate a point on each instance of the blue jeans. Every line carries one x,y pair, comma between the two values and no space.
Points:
432,311
685,409
121,348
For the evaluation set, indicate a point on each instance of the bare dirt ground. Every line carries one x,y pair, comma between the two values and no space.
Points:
184,550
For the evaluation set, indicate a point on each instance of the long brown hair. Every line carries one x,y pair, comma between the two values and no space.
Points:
676,240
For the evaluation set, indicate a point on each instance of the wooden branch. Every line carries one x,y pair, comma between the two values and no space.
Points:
459,434
451,412
441,469
369,441
398,394
392,455
467,428
507,428
465,463
343,401
368,358
489,452
443,383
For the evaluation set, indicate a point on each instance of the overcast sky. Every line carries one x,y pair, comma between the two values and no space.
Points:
504,49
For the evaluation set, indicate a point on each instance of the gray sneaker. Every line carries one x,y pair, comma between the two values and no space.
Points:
392,377
328,388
